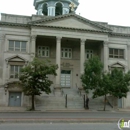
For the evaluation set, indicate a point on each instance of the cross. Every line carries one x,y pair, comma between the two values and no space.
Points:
72,6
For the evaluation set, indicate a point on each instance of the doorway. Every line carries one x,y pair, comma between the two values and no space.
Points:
65,78
15,99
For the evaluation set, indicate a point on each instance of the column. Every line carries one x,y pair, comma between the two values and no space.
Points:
51,11
39,12
127,55
82,55
65,10
3,65
33,47
106,55
58,60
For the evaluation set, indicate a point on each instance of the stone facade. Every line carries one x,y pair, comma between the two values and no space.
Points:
71,32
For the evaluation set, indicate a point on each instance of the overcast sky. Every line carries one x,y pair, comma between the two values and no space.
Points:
116,12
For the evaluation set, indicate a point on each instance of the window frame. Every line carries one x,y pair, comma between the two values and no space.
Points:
46,51
14,48
66,53
13,75
118,51
90,54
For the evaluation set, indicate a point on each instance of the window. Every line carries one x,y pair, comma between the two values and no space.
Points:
116,53
17,46
89,54
43,51
66,53
15,71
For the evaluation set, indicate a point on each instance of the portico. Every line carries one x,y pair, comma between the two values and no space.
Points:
69,54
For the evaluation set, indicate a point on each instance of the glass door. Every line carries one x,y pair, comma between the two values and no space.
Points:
65,78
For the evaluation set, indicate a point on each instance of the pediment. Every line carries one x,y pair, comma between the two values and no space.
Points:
117,65
70,21
16,58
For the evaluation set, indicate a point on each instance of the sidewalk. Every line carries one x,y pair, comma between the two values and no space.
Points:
22,109
12,111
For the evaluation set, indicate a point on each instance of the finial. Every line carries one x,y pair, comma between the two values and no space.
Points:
72,7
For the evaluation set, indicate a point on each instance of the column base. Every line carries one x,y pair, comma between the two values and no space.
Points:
58,90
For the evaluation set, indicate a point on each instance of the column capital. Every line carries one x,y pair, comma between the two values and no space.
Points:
33,37
83,40
105,43
128,45
2,37
58,38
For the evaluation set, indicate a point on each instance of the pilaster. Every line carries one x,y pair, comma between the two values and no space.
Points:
106,55
33,46
65,10
128,54
51,10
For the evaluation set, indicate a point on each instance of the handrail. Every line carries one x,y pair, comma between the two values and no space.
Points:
66,101
109,103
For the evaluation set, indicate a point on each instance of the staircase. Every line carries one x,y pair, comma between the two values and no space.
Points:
98,104
50,102
74,100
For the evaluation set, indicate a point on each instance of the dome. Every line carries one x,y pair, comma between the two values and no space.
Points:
55,7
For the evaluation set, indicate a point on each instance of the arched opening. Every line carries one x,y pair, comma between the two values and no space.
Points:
45,11
58,9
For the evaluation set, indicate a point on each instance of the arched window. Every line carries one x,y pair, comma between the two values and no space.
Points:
58,9
45,11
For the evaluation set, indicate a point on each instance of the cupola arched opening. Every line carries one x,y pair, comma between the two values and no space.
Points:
58,9
45,10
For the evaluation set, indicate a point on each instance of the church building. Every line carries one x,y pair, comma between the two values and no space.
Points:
57,33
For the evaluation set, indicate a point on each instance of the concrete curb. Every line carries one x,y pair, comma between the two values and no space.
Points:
64,120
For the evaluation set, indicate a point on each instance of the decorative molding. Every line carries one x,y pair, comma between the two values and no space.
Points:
33,38
67,65
82,41
105,43
58,39
2,37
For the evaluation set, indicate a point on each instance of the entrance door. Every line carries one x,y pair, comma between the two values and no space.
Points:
15,99
66,78
120,103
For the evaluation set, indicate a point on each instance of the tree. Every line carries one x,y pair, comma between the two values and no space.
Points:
120,83
34,78
94,79
92,73
115,83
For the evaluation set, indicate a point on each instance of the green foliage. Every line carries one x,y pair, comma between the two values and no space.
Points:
34,77
115,83
119,83
92,73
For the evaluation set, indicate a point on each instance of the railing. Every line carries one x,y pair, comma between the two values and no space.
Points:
66,101
84,101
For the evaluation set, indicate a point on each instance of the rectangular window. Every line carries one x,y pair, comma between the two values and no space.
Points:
15,71
89,54
17,46
116,53
43,51
66,53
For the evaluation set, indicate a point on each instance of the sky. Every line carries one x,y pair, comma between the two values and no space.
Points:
114,12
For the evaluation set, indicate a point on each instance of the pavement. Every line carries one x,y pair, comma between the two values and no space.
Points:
64,119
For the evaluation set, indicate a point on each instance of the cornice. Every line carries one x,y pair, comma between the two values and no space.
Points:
47,19
111,34
118,35
13,24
